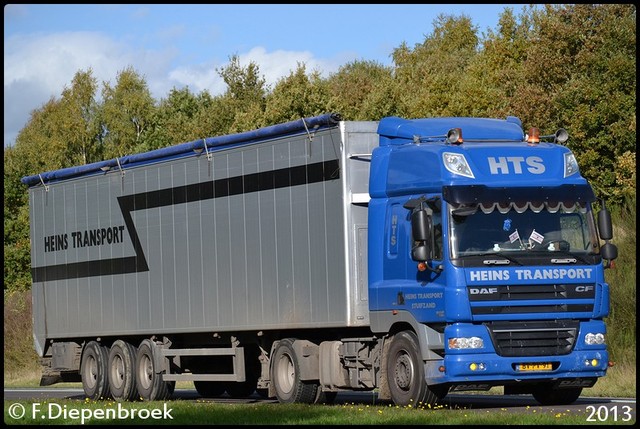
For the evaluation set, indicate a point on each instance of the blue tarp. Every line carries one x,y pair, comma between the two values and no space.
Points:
301,125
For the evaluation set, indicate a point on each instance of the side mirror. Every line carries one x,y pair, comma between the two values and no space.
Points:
420,253
421,234
609,252
421,225
605,226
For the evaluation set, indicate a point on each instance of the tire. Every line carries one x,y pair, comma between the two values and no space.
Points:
252,368
122,371
405,373
210,389
149,382
546,395
93,371
242,389
264,393
325,397
285,376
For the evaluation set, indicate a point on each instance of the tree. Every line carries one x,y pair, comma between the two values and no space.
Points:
246,93
494,76
581,75
296,96
79,120
126,115
428,77
360,90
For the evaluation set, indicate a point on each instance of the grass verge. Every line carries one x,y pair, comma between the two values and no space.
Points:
204,412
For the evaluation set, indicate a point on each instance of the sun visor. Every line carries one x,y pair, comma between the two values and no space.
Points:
567,195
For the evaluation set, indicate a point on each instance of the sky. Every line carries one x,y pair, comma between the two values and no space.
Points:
182,45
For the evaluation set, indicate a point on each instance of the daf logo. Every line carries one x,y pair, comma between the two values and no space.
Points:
575,383
483,290
584,288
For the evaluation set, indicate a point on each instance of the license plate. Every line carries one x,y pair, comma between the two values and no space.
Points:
534,367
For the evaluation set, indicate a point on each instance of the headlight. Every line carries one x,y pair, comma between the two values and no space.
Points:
466,343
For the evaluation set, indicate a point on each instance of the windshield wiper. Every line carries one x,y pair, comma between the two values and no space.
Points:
506,259
554,260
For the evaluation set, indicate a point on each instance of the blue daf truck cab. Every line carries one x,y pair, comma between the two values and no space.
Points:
488,235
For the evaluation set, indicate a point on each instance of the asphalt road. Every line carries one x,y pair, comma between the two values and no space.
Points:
596,410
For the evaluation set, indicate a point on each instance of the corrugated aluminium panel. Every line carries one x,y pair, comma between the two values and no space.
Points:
263,236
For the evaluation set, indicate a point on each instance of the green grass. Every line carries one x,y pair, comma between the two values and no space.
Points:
204,412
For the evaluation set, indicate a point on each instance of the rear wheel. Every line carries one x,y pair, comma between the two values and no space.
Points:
93,371
149,381
286,376
122,372
209,389
252,367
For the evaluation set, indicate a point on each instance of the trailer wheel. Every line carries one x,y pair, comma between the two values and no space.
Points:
546,395
405,373
150,385
242,389
286,376
122,372
210,389
252,367
93,371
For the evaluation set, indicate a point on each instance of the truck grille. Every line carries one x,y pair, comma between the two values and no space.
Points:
530,297
534,338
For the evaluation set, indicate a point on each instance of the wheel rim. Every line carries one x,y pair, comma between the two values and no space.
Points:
145,372
117,371
286,373
91,372
404,371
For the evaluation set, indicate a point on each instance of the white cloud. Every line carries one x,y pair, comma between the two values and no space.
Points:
39,67
271,65
278,64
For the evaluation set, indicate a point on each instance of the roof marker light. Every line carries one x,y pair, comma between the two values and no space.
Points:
533,137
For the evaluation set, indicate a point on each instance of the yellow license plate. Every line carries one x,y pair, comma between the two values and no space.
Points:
534,367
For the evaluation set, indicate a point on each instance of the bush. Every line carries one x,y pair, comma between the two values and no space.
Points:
20,356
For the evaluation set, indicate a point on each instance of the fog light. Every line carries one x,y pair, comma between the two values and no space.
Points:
477,366
592,362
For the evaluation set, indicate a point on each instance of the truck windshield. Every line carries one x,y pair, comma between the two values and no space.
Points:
519,229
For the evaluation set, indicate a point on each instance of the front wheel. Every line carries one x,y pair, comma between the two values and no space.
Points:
405,373
546,395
